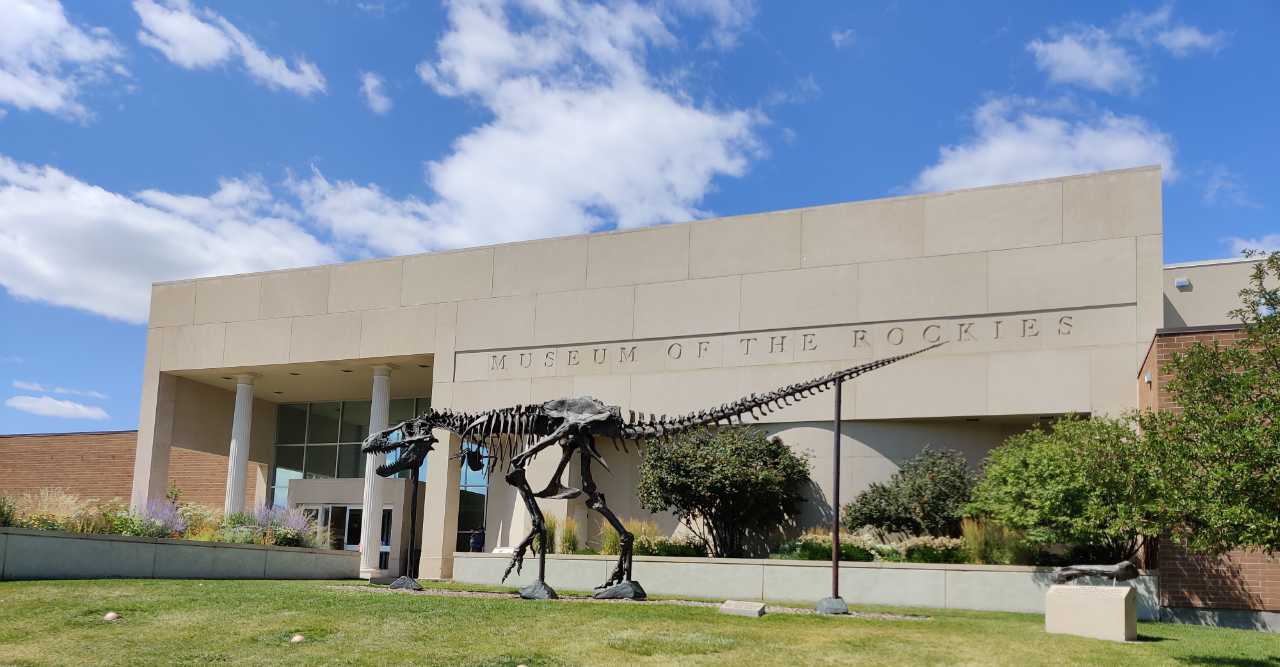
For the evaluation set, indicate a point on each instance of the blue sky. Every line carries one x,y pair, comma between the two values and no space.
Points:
155,140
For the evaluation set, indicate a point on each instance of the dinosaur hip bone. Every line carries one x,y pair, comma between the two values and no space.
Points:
575,424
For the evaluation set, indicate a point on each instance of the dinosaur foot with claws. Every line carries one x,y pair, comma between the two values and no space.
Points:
538,590
623,590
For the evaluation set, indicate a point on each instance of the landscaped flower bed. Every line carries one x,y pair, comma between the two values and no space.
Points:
53,509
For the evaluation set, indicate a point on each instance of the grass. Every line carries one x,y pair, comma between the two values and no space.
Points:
185,622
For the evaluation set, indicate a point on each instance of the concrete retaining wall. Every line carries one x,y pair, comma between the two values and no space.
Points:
40,554
979,587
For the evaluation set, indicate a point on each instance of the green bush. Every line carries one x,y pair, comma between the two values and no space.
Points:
40,522
1080,484
568,542
932,550
927,496
8,512
815,546
552,526
987,542
647,545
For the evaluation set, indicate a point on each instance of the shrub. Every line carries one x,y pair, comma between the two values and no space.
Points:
52,507
1079,483
200,520
648,545
99,518
552,526
40,522
929,549
817,546
638,527
732,487
568,542
927,496
159,519
990,543
8,511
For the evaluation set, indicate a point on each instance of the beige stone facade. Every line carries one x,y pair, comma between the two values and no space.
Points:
1047,294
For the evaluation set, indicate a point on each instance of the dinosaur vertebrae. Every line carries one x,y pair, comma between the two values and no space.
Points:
641,426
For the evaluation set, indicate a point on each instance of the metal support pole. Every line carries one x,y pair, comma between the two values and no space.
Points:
835,500
410,565
835,604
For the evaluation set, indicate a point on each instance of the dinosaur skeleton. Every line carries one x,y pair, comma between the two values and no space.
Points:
515,435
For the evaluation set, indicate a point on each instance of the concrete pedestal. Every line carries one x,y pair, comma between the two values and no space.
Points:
1098,612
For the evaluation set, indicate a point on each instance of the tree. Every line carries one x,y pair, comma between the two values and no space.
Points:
927,496
1219,454
732,487
1085,483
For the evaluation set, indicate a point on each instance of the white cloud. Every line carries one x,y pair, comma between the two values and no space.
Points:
1178,39
728,18
46,406
45,60
1223,186
1019,139
373,89
1089,58
24,385
582,135
70,243
195,38
1267,243
843,38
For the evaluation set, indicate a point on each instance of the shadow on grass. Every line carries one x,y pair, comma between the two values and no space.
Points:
1153,639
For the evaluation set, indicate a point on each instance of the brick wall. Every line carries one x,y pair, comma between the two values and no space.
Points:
100,465
1240,579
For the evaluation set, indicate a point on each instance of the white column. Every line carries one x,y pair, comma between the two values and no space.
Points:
371,529
238,457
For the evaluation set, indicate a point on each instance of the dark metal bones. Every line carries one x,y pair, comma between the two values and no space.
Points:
515,435
1122,571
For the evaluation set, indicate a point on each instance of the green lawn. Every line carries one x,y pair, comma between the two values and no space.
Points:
168,622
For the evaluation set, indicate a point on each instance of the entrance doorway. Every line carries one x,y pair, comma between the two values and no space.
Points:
344,524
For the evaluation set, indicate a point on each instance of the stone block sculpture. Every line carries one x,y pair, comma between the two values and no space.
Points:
515,435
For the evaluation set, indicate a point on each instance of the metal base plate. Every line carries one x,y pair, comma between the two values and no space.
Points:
832,606
406,584
624,590
538,590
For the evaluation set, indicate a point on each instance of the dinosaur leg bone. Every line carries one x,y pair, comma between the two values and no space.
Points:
539,589
619,584
555,489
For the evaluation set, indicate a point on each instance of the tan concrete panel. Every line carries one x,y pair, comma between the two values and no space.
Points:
487,395
660,254
395,331
1150,285
1040,382
325,337
540,266
448,276
676,393
924,386
799,298
1079,274
550,388
502,322
864,232
687,307
195,346
924,287
584,315
293,293
1114,377
259,342
172,305
1111,205
746,244
232,299
446,335
442,394
365,285
612,389
1012,216
1214,291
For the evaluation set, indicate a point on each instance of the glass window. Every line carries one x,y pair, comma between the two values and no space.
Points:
291,424
322,461
350,461
399,410
353,527
470,510
288,467
355,421
323,423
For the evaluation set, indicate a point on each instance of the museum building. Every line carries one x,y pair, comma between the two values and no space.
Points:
1048,295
